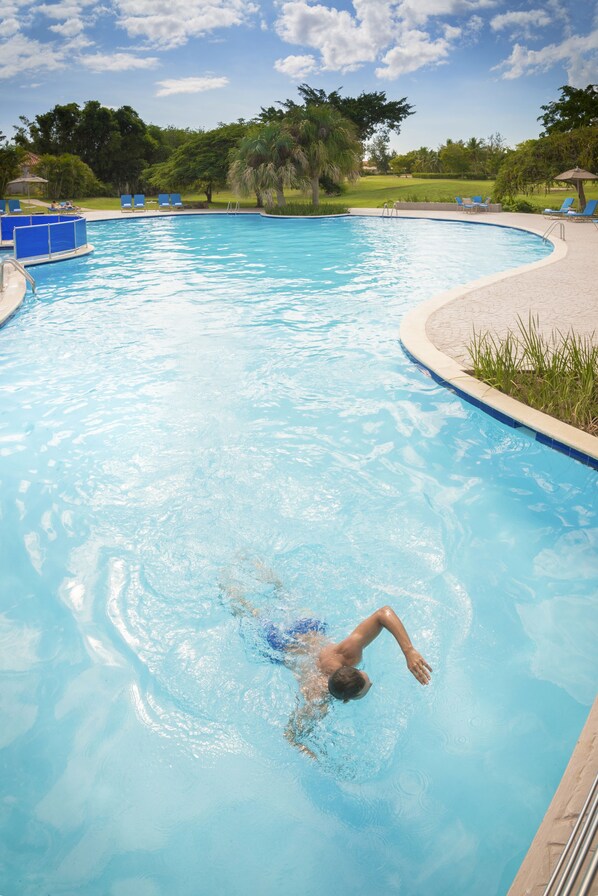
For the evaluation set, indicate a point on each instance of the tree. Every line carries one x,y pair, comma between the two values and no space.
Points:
369,112
265,162
202,161
115,143
455,157
535,163
327,145
67,176
577,108
378,152
10,159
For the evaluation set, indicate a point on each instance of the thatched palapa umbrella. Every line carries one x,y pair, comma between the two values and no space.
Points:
577,176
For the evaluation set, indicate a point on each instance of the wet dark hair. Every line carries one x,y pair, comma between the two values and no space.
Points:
346,683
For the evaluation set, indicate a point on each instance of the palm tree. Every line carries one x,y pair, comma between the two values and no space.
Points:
265,162
327,145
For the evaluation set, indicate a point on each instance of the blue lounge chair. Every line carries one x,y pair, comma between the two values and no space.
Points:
14,207
567,203
126,202
139,202
459,202
587,212
163,200
477,199
2,206
175,200
483,205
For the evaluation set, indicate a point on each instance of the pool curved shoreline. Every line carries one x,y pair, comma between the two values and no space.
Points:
172,450
451,373
445,369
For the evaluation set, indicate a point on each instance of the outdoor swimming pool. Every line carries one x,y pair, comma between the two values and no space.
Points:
204,396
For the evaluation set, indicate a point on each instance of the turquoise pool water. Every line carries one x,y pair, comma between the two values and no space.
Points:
204,398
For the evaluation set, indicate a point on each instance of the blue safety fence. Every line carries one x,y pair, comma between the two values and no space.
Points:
56,235
9,222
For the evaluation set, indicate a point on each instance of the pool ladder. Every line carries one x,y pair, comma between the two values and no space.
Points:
549,230
577,849
18,267
389,208
232,208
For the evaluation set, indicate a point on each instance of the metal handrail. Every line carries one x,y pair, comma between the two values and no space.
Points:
232,209
18,267
579,848
549,230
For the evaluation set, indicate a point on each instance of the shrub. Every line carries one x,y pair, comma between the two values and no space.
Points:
449,175
302,209
519,205
558,375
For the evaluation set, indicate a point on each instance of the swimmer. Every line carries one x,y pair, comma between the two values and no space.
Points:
325,669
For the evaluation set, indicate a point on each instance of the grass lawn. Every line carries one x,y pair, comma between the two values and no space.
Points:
373,192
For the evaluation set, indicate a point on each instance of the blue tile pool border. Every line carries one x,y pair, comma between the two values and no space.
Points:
540,437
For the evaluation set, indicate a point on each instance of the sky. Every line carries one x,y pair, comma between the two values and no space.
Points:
470,68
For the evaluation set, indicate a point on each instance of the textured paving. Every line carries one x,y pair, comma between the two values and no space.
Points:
563,294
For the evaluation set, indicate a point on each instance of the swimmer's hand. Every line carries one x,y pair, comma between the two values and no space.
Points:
418,666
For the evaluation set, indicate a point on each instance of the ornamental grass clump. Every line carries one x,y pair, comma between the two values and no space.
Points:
557,375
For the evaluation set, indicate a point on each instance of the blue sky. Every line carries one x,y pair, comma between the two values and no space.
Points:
470,67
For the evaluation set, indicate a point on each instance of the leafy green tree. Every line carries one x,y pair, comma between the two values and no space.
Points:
51,132
328,145
11,157
378,152
168,139
495,152
67,176
369,112
576,108
455,157
202,161
535,163
403,164
265,162
115,143
427,160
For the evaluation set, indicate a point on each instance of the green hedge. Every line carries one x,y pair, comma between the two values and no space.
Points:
449,175
301,209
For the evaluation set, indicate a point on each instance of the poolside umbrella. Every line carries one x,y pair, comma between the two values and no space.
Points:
577,177
26,179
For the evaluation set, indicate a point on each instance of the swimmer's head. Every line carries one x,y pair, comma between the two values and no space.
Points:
348,683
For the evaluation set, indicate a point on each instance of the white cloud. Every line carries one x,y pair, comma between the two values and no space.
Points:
171,25
190,85
387,31
417,12
296,67
414,51
9,26
344,42
578,55
522,23
22,54
69,28
116,62
65,10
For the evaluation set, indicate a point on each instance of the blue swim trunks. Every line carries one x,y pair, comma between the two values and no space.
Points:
280,639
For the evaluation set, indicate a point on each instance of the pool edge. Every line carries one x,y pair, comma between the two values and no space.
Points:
559,819
448,372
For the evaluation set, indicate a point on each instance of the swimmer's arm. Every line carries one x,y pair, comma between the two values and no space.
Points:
385,618
301,725
235,599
